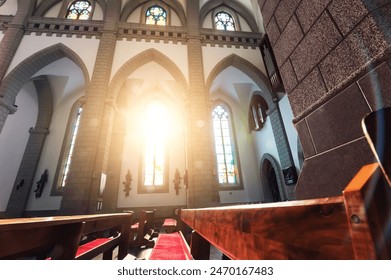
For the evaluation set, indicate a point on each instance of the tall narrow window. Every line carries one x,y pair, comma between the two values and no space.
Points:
154,163
79,10
258,109
224,21
68,155
156,15
227,166
65,158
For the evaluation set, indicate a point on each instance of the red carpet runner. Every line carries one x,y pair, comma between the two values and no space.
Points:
170,246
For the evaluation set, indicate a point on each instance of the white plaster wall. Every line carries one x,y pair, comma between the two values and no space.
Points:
244,25
135,16
1,36
50,156
13,140
85,48
54,11
213,55
98,12
125,50
10,7
67,84
208,22
175,21
287,116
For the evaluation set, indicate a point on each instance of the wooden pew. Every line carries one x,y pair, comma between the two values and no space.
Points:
59,237
355,225
142,231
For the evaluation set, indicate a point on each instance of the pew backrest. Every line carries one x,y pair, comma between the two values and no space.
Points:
59,237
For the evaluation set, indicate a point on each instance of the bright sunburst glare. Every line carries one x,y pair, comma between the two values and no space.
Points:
156,130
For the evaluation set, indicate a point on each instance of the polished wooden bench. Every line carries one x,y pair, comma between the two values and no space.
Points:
60,237
355,225
142,231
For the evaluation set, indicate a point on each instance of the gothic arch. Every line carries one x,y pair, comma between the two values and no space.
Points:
173,4
32,153
23,72
141,59
236,7
267,158
250,70
45,6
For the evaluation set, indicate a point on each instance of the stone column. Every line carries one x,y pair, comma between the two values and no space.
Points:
202,186
32,154
8,46
81,195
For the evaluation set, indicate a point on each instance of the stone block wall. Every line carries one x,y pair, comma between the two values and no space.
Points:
333,56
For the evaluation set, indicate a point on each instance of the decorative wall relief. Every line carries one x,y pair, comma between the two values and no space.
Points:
20,184
41,184
177,181
127,183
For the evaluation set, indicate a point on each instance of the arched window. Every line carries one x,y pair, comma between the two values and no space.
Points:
79,10
154,162
227,164
258,109
224,21
156,15
67,150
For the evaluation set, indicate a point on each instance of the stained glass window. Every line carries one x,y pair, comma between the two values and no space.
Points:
224,21
79,10
70,148
156,15
224,145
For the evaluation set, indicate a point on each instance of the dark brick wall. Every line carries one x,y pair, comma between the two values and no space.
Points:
327,52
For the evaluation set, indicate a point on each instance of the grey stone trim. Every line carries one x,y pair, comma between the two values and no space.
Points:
173,4
148,33
59,27
237,7
249,69
139,60
22,73
235,39
32,154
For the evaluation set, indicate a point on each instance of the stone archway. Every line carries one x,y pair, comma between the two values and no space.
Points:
272,184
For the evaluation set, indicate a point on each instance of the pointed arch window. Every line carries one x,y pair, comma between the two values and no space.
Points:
156,15
154,164
258,109
224,21
79,10
64,165
225,148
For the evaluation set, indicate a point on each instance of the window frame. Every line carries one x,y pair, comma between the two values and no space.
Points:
57,189
70,3
163,188
149,5
233,15
234,146
257,119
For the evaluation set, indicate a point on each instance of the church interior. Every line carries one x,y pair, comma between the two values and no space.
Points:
123,106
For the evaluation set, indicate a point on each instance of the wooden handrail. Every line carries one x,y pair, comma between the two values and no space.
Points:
324,228
60,235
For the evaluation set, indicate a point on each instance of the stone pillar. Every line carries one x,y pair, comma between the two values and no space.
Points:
32,154
333,56
202,186
81,195
8,46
